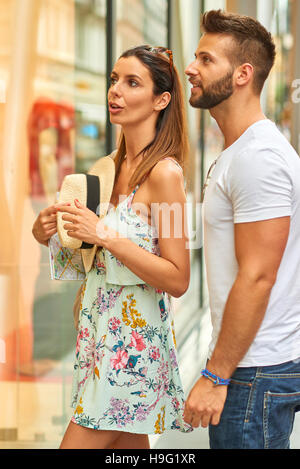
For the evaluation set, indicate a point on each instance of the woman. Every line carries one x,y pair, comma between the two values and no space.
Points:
126,380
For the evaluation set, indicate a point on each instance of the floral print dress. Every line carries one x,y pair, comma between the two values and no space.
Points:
126,374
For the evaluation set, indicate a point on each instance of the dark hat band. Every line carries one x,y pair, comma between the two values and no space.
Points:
93,199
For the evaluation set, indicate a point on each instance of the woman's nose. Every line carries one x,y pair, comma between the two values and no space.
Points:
115,89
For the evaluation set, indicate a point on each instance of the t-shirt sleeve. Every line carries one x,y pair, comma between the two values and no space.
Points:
260,186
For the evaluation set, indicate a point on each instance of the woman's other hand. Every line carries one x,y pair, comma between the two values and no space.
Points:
45,225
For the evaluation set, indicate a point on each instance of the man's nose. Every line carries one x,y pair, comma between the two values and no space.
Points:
191,69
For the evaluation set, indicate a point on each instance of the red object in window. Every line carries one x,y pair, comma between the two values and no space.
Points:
47,114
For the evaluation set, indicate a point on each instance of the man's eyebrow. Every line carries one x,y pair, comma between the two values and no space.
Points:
198,54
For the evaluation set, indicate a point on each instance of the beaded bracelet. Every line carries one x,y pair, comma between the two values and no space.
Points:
215,379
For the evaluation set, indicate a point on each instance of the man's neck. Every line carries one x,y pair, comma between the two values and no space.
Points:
234,119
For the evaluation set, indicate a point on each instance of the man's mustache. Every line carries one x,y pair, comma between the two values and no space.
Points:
194,83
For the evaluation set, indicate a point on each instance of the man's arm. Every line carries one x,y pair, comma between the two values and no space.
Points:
259,248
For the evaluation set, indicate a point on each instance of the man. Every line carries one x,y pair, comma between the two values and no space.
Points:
252,246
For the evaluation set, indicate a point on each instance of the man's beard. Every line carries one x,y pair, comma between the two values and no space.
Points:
215,93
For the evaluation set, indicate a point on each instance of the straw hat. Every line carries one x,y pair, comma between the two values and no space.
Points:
93,190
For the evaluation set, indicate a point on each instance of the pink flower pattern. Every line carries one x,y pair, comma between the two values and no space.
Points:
114,324
137,341
154,353
126,372
119,360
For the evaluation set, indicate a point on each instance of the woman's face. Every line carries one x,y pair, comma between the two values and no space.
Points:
130,97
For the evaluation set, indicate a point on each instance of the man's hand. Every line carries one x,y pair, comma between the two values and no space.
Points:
205,404
45,225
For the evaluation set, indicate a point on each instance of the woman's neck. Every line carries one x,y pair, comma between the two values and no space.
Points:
137,138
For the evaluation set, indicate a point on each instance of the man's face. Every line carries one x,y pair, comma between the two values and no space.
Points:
211,73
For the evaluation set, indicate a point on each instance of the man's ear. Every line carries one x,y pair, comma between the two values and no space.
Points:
243,74
162,101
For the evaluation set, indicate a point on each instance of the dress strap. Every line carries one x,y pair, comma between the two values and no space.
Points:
130,198
136,188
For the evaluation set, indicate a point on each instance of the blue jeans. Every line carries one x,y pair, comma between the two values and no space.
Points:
260,408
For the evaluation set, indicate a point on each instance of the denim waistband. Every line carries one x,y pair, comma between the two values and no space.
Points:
291,367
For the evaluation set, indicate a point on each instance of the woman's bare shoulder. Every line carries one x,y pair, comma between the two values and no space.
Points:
166,180
167,169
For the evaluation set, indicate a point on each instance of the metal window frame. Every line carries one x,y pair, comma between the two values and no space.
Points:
110,59
169,24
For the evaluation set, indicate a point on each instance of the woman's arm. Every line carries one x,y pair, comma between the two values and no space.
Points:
171,271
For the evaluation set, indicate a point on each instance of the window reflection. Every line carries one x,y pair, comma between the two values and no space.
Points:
53,116
141,22
53,64
278,102
90,82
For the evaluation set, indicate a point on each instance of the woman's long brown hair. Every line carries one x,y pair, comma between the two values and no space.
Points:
171,129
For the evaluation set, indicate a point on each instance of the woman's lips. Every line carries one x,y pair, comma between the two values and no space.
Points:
115,110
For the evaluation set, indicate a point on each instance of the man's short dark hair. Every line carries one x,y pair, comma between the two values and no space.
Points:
252,43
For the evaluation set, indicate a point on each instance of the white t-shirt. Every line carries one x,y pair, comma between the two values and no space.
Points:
257,178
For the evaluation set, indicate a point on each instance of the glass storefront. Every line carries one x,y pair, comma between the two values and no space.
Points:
53,73
278,100
90,82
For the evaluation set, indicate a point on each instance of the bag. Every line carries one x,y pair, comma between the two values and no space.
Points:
65,263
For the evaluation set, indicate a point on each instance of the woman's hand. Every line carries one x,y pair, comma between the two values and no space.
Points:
45,225
85,225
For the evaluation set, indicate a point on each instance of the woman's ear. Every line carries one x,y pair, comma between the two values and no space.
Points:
162,101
